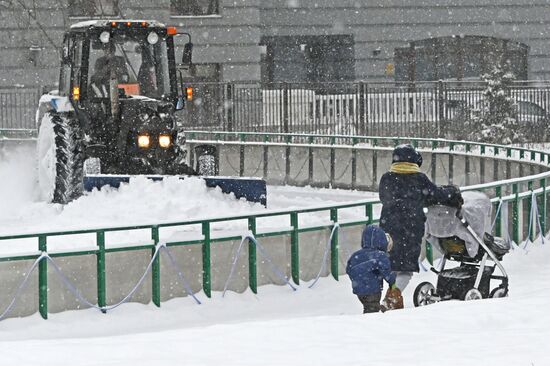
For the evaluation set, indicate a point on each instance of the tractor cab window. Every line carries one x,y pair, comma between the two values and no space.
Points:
140,68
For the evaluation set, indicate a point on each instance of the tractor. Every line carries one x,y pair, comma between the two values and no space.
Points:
114,114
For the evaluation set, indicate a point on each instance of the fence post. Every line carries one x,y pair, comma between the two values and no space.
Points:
310,160
482,164
228,107
369,213
288,141
332,162
266,156
241,155
353,163
515,214
155,281
334,245
544,206
533,229
43,279
206,270
441,125
252,264
295,248
362,109
285,108
101,279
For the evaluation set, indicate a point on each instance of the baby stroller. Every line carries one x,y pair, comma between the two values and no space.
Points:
461,235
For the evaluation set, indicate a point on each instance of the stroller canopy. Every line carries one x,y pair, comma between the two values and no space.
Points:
441,221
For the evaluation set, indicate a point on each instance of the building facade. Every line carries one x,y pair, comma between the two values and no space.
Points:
289,40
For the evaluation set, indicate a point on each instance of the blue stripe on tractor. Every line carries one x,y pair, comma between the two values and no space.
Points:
251,189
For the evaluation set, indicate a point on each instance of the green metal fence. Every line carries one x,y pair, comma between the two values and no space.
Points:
516,191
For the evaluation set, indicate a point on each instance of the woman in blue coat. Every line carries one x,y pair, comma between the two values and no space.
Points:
404,192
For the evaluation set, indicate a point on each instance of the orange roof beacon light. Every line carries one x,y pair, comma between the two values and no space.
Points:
128,23
113,24
171,31
144,24
189,93
76,93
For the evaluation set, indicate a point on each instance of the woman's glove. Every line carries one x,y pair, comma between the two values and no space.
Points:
453,196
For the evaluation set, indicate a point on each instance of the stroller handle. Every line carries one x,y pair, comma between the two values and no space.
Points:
461,218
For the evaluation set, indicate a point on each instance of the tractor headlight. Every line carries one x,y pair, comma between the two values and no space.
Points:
104,37
152,38
144,141
165,141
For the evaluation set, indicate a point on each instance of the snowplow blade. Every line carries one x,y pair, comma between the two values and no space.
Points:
251,189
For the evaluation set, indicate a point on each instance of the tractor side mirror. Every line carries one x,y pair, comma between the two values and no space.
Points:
186,58
180,103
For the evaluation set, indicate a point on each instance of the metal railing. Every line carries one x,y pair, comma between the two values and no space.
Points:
422,109
517,191
18,108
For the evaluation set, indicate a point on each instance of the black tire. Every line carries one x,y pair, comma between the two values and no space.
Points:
499,292
68,158
422,294
472,294
207,160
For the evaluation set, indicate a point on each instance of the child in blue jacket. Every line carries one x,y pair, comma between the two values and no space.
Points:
369,266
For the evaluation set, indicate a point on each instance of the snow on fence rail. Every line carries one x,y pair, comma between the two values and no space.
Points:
124,263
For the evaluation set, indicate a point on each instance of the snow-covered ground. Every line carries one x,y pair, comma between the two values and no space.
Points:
318,326
142,202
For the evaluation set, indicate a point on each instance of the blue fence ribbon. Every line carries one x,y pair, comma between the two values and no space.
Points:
325,255
263,253
22,286
80,297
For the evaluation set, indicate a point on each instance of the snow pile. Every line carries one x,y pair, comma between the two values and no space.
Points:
143,201
320,326
17,178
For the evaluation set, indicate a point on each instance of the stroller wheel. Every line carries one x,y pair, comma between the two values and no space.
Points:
499,292
473,294
423,294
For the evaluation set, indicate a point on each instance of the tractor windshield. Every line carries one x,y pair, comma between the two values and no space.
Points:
140,67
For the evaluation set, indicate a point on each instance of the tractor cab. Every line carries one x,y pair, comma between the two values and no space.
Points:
103,60
114,113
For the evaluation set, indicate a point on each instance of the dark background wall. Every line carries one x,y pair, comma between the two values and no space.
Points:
234,43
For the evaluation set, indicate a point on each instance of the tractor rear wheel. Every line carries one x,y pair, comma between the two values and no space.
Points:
60,158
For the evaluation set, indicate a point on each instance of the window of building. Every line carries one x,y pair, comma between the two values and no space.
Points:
310,59
459,58
194,7
93,8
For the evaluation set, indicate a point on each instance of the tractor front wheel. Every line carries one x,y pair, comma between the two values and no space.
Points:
60,158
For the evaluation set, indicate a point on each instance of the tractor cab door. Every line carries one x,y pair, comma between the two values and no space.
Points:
71,66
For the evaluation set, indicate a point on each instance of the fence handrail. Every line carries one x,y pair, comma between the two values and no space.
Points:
357,139
270,213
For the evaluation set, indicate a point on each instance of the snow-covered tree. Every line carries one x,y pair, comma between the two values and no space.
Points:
495,119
